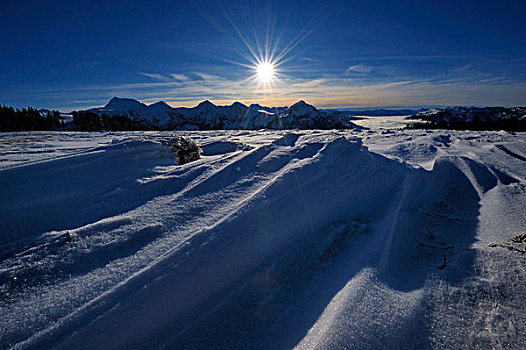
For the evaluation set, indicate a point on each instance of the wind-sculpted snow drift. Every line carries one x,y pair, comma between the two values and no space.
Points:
270,240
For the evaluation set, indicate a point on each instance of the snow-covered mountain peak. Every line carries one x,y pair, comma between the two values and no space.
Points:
238,105
160,106
160,103
118,103
302,108
206,104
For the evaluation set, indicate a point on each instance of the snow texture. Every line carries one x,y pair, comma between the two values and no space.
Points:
271,240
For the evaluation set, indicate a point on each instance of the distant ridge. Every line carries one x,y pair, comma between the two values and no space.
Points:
471,118
208,116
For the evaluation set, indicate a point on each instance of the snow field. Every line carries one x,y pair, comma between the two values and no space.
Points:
307,239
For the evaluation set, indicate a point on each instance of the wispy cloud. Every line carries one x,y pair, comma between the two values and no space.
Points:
309,59
358,68
462,68
207,76
180,77
155,76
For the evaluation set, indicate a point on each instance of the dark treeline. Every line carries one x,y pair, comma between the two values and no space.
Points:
28,119
31,119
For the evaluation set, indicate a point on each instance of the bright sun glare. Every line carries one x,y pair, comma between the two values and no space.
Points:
265,72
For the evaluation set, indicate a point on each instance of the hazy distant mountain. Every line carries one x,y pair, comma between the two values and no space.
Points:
207,116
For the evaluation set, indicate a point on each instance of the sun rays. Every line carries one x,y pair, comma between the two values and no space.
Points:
265,50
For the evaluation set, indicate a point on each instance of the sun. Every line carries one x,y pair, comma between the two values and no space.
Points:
265,71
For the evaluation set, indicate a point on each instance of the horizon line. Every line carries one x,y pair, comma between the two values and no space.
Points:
223,104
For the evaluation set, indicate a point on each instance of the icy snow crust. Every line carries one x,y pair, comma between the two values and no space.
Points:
272,240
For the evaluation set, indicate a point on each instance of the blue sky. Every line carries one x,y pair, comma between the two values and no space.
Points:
77,54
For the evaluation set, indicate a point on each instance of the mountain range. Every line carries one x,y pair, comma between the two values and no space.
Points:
208,116
472,118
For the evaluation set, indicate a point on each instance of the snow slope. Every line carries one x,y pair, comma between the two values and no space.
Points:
273,239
